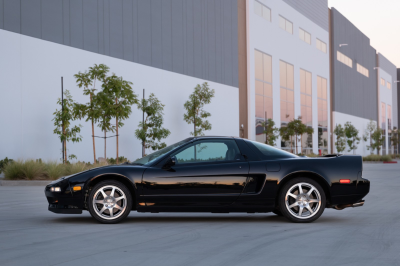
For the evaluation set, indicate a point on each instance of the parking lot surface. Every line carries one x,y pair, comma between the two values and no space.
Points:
370,235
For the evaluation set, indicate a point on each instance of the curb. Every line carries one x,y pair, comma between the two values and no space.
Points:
24,183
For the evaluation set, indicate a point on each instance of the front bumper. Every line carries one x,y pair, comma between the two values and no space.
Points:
66,209
63,201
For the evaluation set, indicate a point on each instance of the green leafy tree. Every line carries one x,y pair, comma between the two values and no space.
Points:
195,113
103,106
62,121
87,81
353,139
287,134
151,132
271,132
371,127
395,139
298,128
120,91
340,142
378,138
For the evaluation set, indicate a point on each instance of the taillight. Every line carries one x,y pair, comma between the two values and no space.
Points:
344,181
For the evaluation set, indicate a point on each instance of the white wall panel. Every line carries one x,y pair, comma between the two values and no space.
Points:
30,72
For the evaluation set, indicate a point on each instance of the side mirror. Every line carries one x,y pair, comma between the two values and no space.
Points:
171,162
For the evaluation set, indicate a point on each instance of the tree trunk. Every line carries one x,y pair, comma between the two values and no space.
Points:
65,146
65,152
291,142
94,145
301,144
116,118
105,145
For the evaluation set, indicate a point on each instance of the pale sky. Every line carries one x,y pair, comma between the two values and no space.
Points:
379,20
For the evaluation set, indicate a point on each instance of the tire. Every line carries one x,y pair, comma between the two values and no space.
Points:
110,202
305,208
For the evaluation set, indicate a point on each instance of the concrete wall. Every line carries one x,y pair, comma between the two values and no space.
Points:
269,38
352,93
198,38
30,75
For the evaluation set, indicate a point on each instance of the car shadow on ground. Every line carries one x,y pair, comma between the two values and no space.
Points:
160,218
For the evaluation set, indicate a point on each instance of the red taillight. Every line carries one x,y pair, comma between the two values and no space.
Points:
344,181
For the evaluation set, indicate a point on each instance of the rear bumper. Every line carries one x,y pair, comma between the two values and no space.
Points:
65,209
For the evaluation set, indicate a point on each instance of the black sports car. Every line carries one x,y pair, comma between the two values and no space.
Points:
214,174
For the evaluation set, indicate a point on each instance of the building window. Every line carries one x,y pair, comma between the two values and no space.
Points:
262,10
287,93
389,85
304,36
263,91
321,46
344,59
285,24
383,82
306,108
362,70
287,97
322,91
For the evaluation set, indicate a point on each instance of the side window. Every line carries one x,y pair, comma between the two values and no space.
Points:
209,151
269,152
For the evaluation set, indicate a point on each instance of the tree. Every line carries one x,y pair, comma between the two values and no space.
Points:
371,127
378,138
287,133
298,128
87,80
62,121
120,91
395,139
270,131
353,139
195,114
150,132
340,138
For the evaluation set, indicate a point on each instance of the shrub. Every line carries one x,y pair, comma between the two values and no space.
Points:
14,170
4,162
121,159
75,168
377,158
54,170
33,170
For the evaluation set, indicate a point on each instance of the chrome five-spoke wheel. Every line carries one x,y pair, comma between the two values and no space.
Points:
302,200
110,201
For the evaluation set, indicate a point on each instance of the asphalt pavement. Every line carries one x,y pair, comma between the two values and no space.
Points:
369,235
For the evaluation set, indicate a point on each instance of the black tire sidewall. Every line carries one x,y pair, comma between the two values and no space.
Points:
282,204
128,201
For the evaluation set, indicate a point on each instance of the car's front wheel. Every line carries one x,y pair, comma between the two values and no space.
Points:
109,201
302,200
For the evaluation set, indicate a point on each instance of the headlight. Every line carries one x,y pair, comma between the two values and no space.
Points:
55,189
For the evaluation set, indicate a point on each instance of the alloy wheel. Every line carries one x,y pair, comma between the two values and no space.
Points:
303,200
109,202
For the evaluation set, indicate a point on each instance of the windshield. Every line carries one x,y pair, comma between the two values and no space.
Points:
155,155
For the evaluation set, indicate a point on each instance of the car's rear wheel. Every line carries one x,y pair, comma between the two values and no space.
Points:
302,200
109,201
